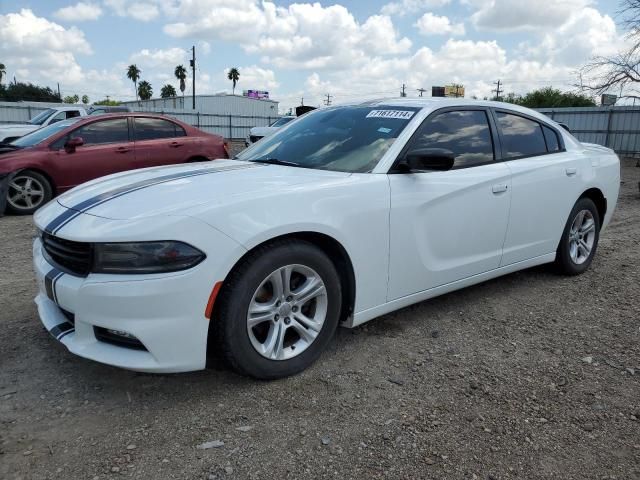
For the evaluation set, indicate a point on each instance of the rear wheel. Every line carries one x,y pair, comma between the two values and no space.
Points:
278,310
27,192
579,239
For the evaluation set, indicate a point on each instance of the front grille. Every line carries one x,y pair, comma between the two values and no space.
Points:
110,336
71,257
254,138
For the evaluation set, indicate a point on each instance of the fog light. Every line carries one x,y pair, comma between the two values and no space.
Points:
120,333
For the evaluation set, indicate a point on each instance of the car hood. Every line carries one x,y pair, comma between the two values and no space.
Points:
180,189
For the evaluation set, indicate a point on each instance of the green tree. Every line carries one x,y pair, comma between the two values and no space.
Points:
15,92
106,101
3,71
181,74
133,74
549,97
234,76
167,91
85,99
145,91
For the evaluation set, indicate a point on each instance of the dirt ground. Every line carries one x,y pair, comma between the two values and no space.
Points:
528,376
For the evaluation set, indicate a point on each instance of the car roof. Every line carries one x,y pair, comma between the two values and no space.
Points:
431,103
90,118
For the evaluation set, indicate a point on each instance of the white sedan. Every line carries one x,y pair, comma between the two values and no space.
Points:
343,215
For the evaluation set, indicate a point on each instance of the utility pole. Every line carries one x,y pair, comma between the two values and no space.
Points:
59,91
327,102
302,101
421,90
193,76
403,93
497,90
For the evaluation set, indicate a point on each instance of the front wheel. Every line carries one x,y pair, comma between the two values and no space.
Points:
27,192
579,239
278,310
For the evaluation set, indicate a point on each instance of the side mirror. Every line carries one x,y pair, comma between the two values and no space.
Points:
429,159
73,143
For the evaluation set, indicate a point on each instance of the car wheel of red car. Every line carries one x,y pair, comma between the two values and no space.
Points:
27,192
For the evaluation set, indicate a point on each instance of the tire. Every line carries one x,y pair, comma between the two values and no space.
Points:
28,191
250,350
579,240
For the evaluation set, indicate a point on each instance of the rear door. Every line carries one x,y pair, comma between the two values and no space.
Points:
106,149
546,183
161,142
449,225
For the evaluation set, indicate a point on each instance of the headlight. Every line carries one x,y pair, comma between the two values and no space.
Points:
145,257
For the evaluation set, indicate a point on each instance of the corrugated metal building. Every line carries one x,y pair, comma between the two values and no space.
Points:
220,104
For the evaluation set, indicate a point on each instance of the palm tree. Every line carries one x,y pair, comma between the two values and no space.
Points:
234,76
168,91
181,74
85,99
3,71
145,90
133,74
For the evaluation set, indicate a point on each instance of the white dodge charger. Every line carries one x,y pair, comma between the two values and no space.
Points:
343,215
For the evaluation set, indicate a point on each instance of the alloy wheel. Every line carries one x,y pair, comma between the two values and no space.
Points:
582,236
287,312
25,192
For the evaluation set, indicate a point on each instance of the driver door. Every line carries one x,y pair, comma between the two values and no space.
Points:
107,149
446,226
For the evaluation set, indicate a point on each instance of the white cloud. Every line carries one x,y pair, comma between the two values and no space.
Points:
430,24
300,36
512,15
144,11
80,12
167,58
406,7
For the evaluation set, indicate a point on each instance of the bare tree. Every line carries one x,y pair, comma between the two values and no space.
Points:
603,74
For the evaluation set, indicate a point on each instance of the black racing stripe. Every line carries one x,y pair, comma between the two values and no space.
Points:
61,330
49,283
65,217
54,283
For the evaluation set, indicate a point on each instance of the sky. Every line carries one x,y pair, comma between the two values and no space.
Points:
348,49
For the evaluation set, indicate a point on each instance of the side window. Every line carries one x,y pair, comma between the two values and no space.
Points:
106,131
551,138
466,133
154,128
521,137
72,113
57,117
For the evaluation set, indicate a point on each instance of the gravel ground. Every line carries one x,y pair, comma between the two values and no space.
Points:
529,376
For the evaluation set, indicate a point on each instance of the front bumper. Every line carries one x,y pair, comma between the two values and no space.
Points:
166,313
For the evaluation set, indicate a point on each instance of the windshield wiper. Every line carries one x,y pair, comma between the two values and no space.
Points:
275,161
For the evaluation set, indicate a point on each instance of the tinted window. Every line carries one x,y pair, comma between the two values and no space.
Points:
345,139
41,117
152,128
520,136
37,136
105,131
551,138
464,133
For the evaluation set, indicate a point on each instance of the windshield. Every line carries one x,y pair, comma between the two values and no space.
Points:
282,121
42,116
34,138
345,139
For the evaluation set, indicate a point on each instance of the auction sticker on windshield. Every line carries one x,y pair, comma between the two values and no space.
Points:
400,114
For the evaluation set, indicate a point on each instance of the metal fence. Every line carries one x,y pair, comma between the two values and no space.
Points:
614,127
228,126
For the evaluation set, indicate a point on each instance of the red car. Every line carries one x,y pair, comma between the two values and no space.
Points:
68,153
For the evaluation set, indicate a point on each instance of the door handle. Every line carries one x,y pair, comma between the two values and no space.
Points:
571,171
499,188
122,150
175,144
